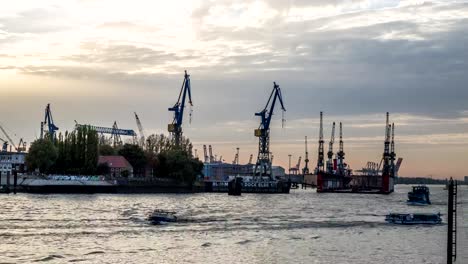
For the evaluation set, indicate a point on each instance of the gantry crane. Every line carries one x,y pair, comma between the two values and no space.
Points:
114,131
305,170
340,154
263,165
320,161
330,150
140,129
175,128
49,121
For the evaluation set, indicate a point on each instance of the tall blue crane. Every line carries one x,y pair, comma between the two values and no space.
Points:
175,128
263,165
49,121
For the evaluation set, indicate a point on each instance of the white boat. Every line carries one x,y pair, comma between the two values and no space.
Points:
413,219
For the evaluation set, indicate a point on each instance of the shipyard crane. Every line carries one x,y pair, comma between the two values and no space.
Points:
10,141
175,128
320,162
212,158
386,155
4,145
140,129
250,159
263,165
236,158
21,145
305,170
392,151
298,165
49,121
341,154
330,150
205,154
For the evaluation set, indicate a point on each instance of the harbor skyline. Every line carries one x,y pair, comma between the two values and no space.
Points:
100,61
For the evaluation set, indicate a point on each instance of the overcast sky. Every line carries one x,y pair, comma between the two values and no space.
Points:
99,61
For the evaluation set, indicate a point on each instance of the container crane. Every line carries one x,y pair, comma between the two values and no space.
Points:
263,165
140,129
305,170
341,154
320,163
330,150
49,121
175,128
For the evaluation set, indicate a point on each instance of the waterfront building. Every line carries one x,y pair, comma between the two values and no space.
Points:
117,165
10,161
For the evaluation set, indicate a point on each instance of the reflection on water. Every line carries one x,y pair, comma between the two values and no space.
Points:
302,227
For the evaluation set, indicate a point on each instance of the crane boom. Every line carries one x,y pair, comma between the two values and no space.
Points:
140,129
175,128
49,121
8,137
263,165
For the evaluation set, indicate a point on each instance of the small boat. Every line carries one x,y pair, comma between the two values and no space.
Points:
413,219
158,217
419,196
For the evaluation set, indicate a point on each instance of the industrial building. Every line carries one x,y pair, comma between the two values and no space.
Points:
10,161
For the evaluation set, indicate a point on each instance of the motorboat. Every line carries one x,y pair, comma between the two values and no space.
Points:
158,217
414,219
419,196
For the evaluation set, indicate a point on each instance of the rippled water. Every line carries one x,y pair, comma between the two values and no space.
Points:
302,227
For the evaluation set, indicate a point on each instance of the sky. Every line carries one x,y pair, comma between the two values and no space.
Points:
96,61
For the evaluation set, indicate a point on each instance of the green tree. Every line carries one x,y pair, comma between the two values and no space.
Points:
42,155
135,156
106,150
178,165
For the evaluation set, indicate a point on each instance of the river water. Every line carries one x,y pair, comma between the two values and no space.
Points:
301,227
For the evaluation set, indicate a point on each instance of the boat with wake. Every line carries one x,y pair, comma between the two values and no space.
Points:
159,217
419,196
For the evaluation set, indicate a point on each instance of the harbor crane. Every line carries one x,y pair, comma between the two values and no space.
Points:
212,158
341,154
140,129
392,151
236,158
49,122
263,165
386,155
10,141
330,150
305,170
175,128
205,154
4,145
320,163
250,159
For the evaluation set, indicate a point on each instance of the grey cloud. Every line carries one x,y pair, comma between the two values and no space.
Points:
35,21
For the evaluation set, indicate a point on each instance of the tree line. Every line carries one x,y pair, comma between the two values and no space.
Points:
78,152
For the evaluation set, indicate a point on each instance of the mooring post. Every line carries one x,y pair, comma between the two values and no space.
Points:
15,180
452,222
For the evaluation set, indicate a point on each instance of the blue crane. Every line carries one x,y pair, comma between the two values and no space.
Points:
263,165
49,121
175,128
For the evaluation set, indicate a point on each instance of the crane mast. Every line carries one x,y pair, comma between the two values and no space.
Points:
205,154
298,165
236,158
175,128
212,158
140,129
305,170
330,150
250,159
392,151
320,165
264,161
386,154
341,154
